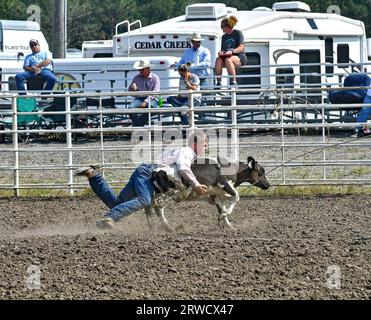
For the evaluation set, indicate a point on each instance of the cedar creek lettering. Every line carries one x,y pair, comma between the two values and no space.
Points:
162,45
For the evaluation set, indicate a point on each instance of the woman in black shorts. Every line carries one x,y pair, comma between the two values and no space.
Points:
232,53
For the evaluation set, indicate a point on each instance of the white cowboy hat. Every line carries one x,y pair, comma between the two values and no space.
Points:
196,37
141,64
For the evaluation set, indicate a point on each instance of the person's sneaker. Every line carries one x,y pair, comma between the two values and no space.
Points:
218,86
358,134
234,85
105,224
88,172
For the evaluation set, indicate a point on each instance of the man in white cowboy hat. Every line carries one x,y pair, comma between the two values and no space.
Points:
144,81
198,58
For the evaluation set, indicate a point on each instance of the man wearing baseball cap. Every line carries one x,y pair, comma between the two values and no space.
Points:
198,59
38,63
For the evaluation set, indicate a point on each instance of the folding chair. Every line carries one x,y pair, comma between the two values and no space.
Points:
58,104
23,121
351,95
93,104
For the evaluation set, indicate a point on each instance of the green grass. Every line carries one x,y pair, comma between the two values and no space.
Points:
300,173
279,191
305,190
361,171
34,193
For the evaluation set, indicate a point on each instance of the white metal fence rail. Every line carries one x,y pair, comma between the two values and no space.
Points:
299,152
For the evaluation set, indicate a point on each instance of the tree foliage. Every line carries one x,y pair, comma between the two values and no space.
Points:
96,19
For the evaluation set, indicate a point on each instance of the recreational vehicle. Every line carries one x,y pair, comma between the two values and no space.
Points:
285,39
110,74
97,49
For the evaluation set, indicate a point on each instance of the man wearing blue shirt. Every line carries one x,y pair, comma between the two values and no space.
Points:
37,63
198,58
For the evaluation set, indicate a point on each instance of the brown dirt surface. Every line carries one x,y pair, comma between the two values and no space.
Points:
284,248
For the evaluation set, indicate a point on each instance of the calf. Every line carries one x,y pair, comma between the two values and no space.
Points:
221,179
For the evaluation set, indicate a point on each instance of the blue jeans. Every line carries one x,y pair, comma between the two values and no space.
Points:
205,84
140,119
137,194
365,112
178,102
46,74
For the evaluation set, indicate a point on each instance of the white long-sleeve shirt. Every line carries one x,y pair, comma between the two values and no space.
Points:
182,157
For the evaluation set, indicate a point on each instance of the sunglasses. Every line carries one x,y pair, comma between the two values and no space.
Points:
33,45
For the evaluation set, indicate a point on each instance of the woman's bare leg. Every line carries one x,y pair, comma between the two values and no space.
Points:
231,63
219,69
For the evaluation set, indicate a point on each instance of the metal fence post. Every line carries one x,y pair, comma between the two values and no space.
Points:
150,129
69,143
324,141
234,134
15,145
191,110
101,134
283,140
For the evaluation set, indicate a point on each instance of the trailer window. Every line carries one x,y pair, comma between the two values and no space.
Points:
343,53
250,69
1,38
329,52
103,55
312,57
285,77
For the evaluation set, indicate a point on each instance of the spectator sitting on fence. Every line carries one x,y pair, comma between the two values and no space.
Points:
187,81
232,53
198,58
38,63
144,81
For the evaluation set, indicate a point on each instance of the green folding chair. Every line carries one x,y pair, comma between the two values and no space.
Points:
24,121
27,105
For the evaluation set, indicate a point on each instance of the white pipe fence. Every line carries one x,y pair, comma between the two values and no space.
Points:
299,151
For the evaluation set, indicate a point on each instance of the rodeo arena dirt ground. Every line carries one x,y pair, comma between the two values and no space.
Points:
285,247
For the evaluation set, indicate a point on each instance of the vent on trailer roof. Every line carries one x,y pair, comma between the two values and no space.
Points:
211,11
294,6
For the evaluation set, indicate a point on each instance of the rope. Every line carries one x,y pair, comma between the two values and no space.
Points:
277,108
309,152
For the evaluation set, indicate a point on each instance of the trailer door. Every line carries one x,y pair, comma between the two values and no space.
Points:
301,58
256,71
